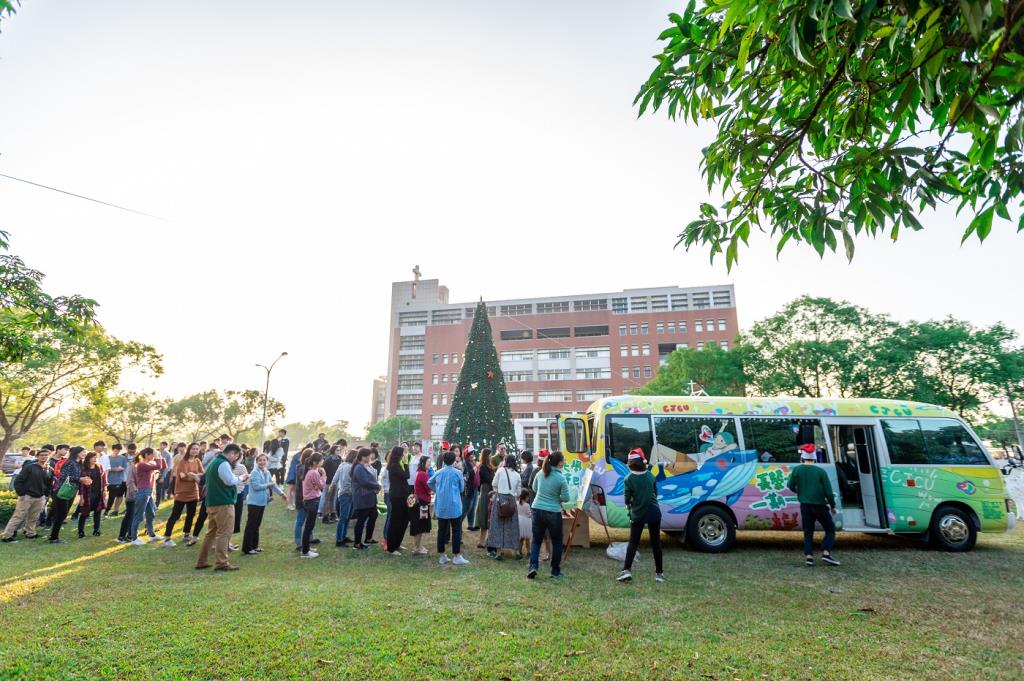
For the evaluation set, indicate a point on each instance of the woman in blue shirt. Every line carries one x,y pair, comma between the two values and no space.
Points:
261,485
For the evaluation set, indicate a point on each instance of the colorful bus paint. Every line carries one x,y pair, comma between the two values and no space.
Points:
755,491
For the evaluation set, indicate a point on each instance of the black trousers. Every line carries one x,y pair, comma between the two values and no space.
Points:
399,523
201,520
239,504
365,517
653,522
253,520
60,512
190,511
126,521
310,506
115,492
84,517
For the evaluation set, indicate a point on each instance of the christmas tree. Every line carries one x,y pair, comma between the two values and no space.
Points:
480,412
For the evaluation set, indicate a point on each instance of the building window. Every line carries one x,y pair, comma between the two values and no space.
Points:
698,326
444,378
647,372
559,332
632,329
591,331
554,396
455,358
520,397
412,318
722,299
623,351
724,344
517,355
436,357
592,395
410,363
554,375
622,329
455,378
410,402
659,303
434,399
433,379
446,317
557,353
638,304
636,372
516,310
412,343
645,350
625,372
439,420
444,358
550,308
517,334
591,374
682,327
670,327
634,350
644,329
410,382
518,376
700,345
684,346
444,398
589,305
593,352
659,328
619,306
721,325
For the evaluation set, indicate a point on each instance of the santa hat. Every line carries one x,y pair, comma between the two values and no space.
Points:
808,451
543,454
445,446
636,455
469,447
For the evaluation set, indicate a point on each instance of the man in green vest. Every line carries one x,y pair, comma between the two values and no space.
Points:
220,507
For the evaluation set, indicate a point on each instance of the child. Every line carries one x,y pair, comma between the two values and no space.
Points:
525,522
641,496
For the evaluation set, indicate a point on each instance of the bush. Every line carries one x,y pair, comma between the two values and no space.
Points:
7,501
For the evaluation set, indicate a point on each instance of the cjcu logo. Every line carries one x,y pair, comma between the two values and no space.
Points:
967,487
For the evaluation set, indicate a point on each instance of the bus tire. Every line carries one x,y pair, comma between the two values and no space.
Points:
952,529
711,530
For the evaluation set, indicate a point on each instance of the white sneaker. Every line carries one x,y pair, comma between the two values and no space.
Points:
624,576
459,560
138,542
443,560
311,554
157,537
169,543
659,577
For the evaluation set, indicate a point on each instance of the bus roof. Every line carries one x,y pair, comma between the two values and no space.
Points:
764,406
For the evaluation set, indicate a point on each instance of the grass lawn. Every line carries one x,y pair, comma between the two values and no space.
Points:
95,609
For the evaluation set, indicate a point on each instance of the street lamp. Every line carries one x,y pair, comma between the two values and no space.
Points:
266,392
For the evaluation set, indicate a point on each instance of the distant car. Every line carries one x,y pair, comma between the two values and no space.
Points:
10,463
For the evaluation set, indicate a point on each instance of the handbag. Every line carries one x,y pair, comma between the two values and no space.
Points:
67,490
411,501
506,502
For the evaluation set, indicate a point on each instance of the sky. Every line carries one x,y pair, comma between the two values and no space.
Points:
300,157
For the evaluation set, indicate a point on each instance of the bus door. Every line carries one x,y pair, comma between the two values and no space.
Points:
573,437
856,459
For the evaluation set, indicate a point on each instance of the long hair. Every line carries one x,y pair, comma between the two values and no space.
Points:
424,463
395,459
364,452
312,462
553,460
485,458
188,451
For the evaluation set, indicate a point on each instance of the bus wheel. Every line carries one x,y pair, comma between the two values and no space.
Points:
952,529
711,530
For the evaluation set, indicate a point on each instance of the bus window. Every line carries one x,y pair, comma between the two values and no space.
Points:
627,433
777,440
552,435
575,441
685,443
931,441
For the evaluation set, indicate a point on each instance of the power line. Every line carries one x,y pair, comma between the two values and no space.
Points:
79,196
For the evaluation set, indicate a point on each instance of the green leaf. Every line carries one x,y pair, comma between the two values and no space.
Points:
795,42
842,9
981,224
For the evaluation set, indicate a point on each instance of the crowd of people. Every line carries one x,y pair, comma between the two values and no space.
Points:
513,503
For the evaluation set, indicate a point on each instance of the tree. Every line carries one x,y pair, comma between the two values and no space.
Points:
126,416
197,416
392,430
29,317
711,369
82,365
480,412
243,411
818,347
842,118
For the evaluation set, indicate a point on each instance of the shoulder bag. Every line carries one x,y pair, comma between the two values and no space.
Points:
507,502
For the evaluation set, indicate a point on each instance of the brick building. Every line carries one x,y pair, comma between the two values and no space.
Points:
558,354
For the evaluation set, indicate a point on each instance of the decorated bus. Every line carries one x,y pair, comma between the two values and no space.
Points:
722,463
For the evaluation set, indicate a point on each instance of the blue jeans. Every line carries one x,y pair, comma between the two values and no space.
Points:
143,506
344,515
469,507
547,522
452,526
300,519
817,512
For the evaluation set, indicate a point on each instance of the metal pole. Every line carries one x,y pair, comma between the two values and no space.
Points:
266,393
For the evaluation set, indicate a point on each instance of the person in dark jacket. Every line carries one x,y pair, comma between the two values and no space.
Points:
91,486
399,491
32,484
71,472
364,497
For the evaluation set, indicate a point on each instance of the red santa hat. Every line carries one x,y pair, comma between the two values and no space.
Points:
636,455
445,446
543,454
808,451
469,447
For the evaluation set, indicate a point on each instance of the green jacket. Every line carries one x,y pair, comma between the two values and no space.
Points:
811,485
640,492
